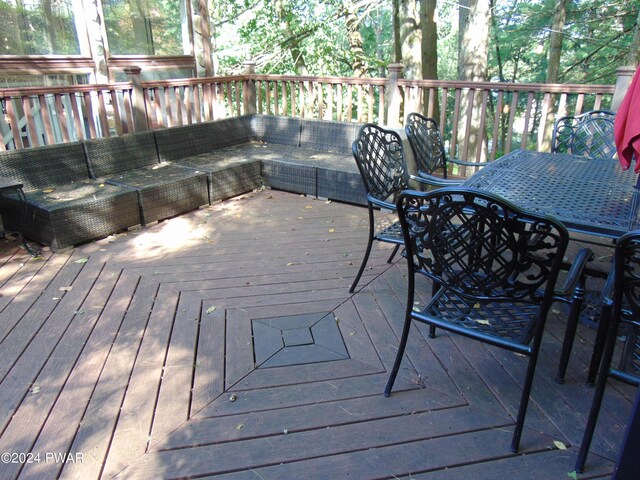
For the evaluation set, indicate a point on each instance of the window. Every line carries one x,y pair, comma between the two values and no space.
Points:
145,27
38,27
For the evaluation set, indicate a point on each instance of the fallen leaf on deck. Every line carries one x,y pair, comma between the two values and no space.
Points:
559,445
82,260
211,310
332,230
573,475
35,389
240,426
65,289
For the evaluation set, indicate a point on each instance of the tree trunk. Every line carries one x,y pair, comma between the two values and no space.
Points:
473,51
292,42
429,29
359,65
397,41
634,52
553,71
410,38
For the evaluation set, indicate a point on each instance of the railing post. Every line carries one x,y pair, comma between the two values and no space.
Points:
137,100
249,89
394,97
623,80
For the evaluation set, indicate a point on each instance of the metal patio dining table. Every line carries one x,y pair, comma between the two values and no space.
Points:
593,196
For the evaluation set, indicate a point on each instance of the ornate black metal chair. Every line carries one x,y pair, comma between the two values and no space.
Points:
589,134
428,149
493,269
620,318
380,158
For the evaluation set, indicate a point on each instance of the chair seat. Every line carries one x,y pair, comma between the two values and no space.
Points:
391,234
508,321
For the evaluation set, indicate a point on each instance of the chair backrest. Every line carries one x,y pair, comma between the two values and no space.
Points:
380,159
481,246
589,134
426,142
626,297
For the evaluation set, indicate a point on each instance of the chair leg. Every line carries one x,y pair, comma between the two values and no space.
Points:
393,254
399,355
599,344
524,399
366,253
403,337
570,332
598,394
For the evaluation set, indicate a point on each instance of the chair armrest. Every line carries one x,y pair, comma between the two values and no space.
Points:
607,290
575,273
381,203
427,179
467,164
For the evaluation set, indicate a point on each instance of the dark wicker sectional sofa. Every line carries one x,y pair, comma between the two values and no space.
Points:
82,191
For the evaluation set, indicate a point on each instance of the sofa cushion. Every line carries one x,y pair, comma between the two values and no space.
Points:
179,142
110,156
43,167
328,136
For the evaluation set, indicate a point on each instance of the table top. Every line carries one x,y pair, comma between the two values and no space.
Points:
9,184
589,195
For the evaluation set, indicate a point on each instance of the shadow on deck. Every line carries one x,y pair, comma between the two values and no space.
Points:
225,343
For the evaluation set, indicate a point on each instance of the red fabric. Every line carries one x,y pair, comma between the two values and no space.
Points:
626,127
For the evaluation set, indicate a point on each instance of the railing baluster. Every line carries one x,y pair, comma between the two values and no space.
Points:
512,115
34,140
597,101
579,104
102,114
285,106
15,126
62,118
188,104
88,108
483,124
495,139
469,124
527,118
381,104
117,122
456,119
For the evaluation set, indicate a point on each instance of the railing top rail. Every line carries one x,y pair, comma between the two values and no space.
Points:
62,89
515,87
334,80
178,82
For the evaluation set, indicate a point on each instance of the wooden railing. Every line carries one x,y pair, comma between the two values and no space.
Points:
504,115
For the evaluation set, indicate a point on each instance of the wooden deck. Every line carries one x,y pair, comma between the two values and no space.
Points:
134,357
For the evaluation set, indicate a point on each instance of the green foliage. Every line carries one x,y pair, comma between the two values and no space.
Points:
597,39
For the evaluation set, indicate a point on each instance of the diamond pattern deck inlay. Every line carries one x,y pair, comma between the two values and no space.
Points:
296,340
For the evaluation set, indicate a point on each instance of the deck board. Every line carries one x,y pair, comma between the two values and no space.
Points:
140,349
